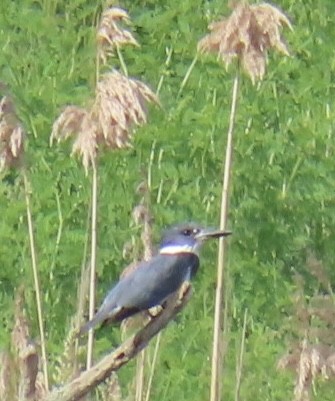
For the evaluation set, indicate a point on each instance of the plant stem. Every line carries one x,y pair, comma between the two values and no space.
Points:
36,280
187,75
59,235
93,262
153,365
169,52
215,394
147,255
97,69
94,201
140,366
240,360
82,290
122,62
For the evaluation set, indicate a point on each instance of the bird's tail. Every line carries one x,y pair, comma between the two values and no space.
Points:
97,319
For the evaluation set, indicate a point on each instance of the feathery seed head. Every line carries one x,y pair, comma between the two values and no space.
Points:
86,142
77,122
120,104
110,35
11,135
68,123
247,34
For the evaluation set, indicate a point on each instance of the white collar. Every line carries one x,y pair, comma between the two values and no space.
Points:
175,249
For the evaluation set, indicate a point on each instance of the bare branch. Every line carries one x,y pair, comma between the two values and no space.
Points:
123,354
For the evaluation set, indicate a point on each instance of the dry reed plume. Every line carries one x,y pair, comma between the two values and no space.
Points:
119,106
249,32
76,121
309,362
111,35
313,322
11,135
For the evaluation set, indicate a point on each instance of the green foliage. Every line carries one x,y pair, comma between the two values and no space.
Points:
282,201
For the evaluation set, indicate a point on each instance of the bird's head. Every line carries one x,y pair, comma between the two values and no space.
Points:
187,238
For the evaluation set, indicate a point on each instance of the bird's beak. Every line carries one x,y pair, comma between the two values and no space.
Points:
209,233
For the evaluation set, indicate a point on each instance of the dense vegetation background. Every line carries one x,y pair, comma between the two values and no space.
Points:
282,205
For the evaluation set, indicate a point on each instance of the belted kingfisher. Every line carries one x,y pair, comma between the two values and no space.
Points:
152,281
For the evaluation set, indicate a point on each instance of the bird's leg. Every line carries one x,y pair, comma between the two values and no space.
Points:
184,289
177,295
155,310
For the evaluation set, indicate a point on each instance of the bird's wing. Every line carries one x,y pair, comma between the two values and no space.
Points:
148,285
152,282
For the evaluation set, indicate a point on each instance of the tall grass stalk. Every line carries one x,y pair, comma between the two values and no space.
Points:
122,62
217,357
59,233
239,365
169,52
153,366
147,255
187,75
246,35
140,368
27,191
93,262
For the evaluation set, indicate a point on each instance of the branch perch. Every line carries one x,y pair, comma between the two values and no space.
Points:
123,354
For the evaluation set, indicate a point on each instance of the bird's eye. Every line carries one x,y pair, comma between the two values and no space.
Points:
190,231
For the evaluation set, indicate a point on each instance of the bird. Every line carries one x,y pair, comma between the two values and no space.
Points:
153,281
